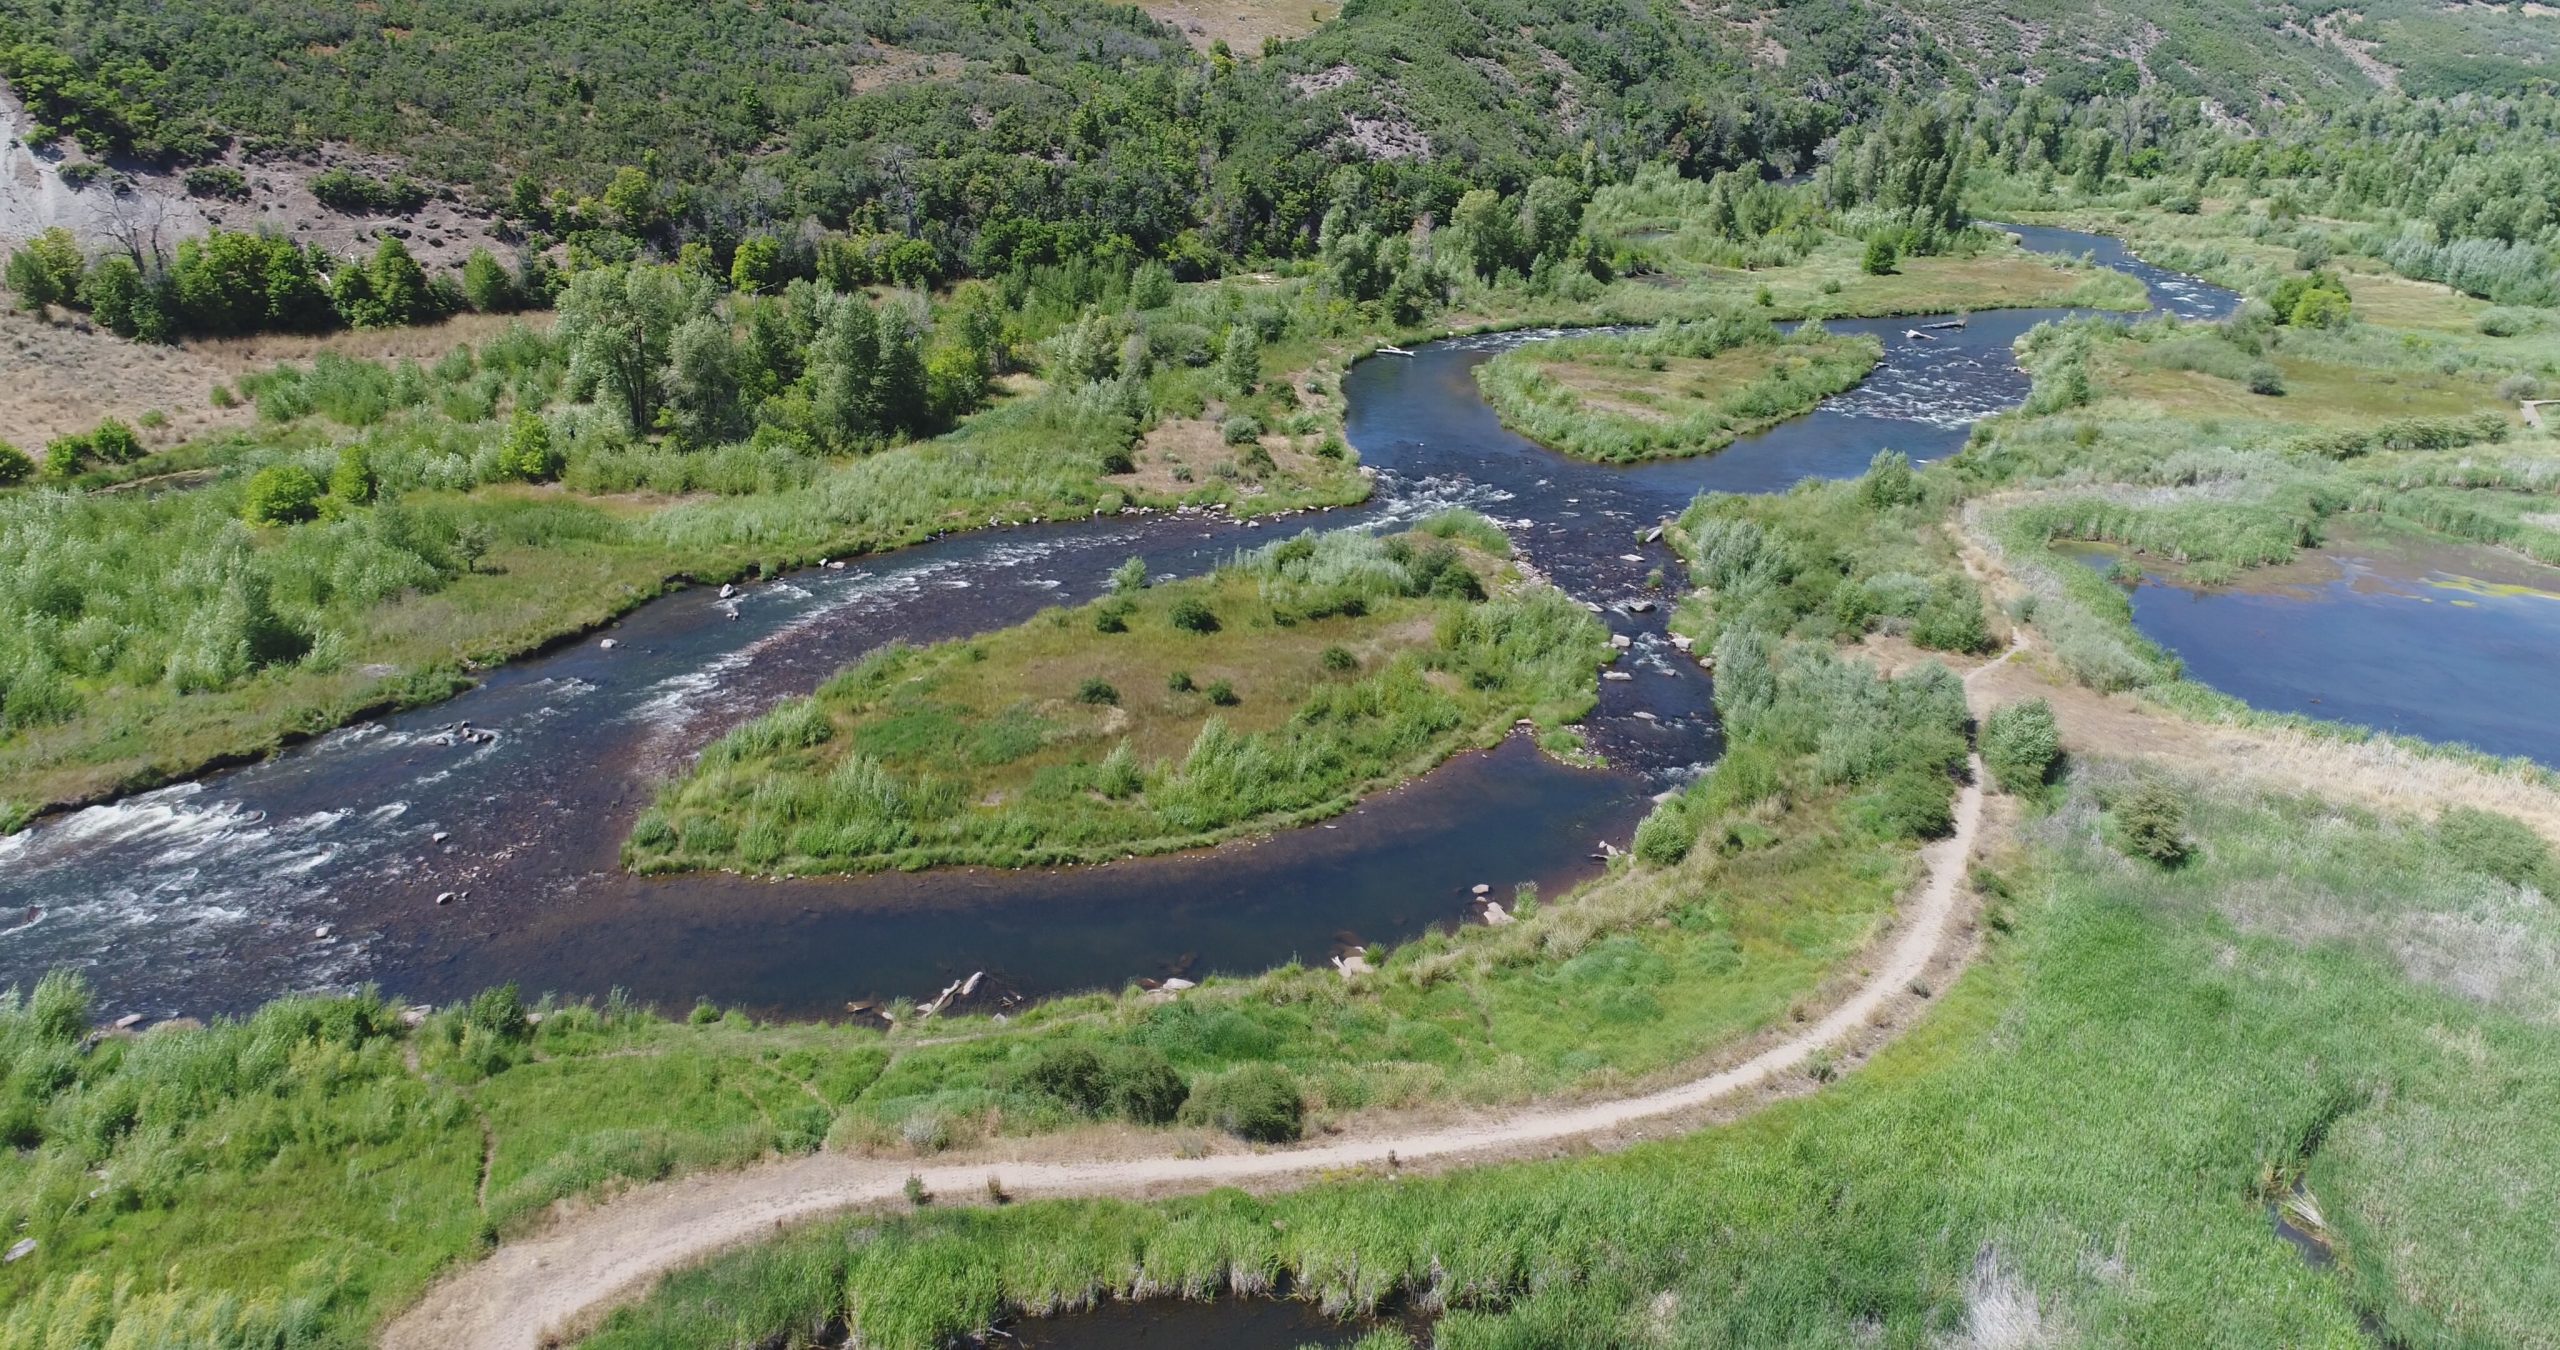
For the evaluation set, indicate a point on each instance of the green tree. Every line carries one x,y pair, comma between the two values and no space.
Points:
631,200
1889,481
1150,286
1486,232
117,296
15,466
222,282
2021,745
703,381
1550,218
63,456
486,287
1240,361
619,326
400,291
352,482
842,381
115,442
526,452
281,494
1881,257
48,270
297,301
756,268
524,199
2151,822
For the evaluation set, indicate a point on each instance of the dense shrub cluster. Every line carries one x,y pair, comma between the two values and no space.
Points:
2021,745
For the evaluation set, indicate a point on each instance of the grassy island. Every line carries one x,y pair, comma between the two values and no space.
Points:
1279,688
1674,389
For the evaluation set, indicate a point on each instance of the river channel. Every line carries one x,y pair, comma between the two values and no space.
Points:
321,868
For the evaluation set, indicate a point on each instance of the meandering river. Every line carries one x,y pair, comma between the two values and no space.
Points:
434,863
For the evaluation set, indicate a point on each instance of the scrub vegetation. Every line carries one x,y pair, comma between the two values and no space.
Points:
1275,690
1678,389
2088,1140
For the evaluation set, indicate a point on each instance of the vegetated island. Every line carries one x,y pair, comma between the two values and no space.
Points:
1278,689
1674,389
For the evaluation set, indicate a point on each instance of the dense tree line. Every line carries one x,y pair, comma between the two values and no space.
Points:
232,282
2463,191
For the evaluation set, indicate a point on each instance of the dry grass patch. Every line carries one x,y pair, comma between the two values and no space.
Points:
2316,393
62,379
1243,24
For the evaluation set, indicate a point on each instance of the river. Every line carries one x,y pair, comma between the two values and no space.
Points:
322,867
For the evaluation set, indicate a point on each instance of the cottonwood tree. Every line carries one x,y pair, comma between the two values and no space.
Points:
619,324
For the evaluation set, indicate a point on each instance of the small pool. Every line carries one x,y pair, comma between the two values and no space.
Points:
2451,643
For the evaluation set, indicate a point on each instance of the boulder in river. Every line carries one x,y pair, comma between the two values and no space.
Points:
1618,675
1495,916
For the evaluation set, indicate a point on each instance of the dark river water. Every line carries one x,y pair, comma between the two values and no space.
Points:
321,868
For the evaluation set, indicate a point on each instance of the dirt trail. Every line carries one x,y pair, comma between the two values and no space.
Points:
565,1278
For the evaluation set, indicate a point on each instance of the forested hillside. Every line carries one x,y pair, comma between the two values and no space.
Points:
648,123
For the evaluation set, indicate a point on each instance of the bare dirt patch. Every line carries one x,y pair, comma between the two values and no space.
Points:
1197,447
896,65
147,210
1243,24
1391,137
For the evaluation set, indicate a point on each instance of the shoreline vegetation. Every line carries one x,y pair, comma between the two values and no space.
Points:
1281,688
1995,1131
226,1148
489,561
1673,390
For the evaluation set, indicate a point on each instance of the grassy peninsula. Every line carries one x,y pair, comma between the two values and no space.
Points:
1276,689
1675,389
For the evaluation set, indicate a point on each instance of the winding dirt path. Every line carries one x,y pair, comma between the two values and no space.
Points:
562,1280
